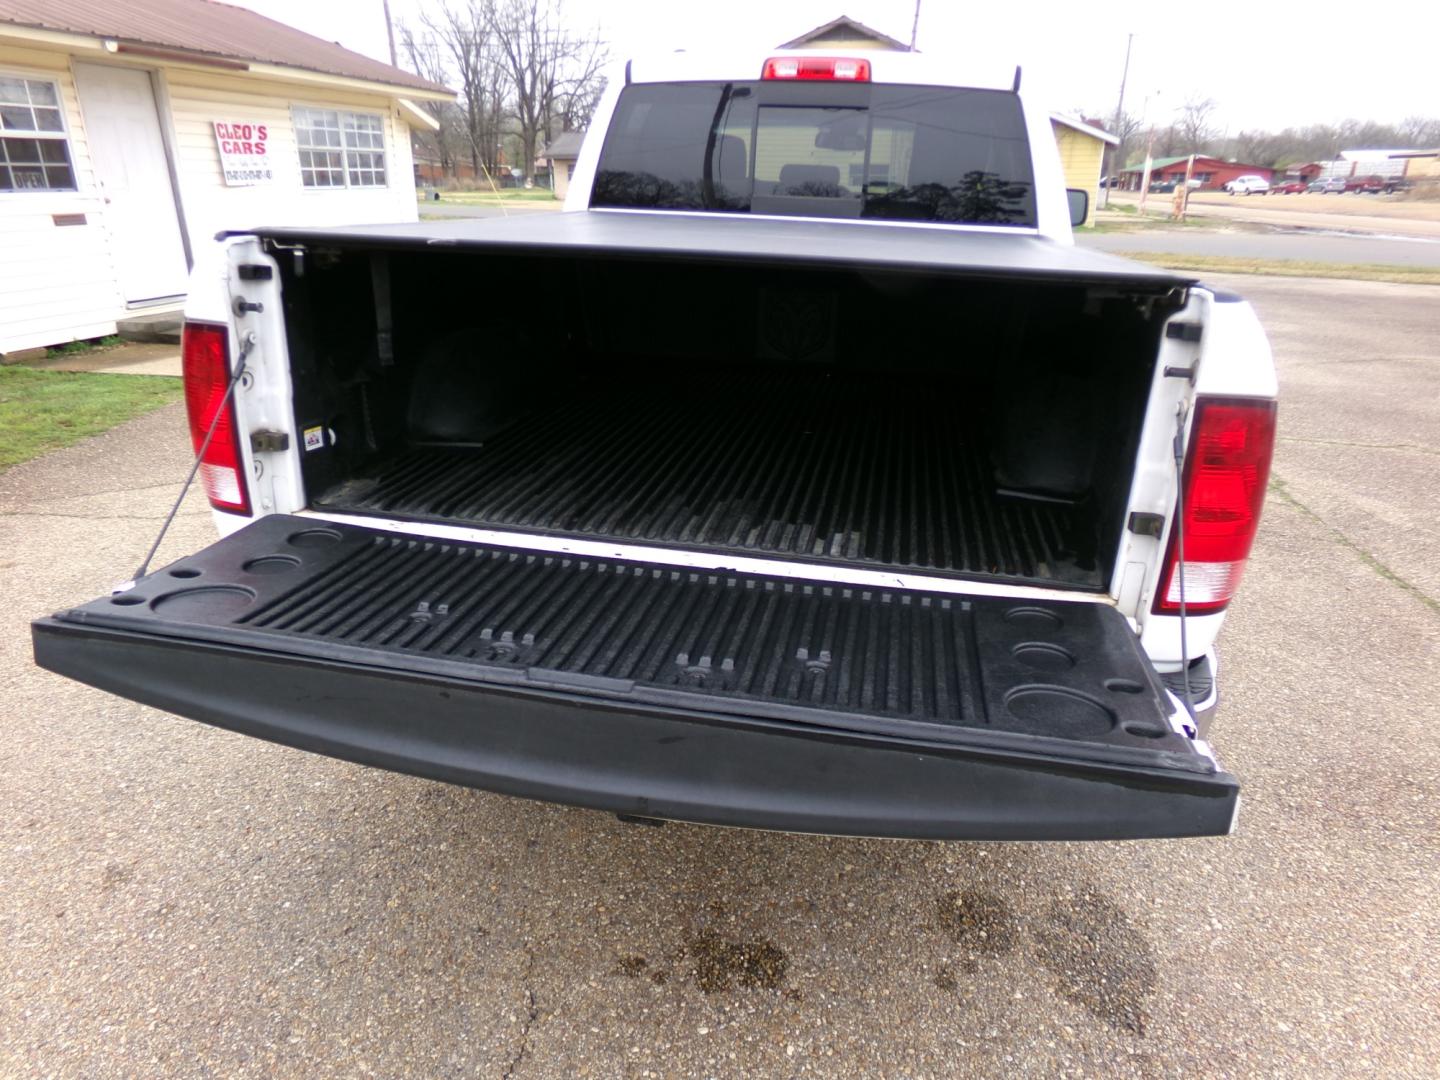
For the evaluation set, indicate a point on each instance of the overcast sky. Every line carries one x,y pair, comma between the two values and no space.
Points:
1266,65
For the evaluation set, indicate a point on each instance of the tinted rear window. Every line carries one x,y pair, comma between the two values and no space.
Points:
914,153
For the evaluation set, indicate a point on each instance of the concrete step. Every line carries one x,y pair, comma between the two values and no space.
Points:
162,326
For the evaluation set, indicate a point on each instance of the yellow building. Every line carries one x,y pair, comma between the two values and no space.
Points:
1421,165
1082,155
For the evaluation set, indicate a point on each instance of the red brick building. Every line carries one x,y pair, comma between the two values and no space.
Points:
1212,173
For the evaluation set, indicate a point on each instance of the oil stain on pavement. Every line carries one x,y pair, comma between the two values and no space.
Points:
1100,961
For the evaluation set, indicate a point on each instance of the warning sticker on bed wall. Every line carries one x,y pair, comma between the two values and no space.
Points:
314,438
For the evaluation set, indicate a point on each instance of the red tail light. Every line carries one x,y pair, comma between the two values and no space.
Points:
1231,442
206,361
838,68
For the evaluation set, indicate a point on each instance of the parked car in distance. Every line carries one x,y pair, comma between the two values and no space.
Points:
1171,183
1334,185
1248,185
1164,187
1376,185
1365,185
1289,187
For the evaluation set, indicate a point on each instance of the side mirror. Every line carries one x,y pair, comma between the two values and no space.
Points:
1079,200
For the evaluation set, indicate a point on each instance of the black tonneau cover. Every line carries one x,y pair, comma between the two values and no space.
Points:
948,250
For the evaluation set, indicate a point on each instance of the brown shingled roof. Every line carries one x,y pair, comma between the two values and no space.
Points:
843,31
209,28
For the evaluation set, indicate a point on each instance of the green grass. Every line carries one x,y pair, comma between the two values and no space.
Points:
1134,223
73,348
1226,264
45,410
504,195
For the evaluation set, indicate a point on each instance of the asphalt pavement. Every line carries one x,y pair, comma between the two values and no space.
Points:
1306,245
1385,214
177,900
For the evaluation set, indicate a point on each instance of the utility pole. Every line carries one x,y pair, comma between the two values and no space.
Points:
1145,175
1149,150
390,32
915,26
1182,193
1115,127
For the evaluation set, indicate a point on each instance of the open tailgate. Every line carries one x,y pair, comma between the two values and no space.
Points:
700,695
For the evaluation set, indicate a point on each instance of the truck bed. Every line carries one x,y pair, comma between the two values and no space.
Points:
848,468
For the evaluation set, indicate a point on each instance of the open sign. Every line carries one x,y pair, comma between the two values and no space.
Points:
244,153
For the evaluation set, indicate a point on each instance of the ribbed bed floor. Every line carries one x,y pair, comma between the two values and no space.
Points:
863,470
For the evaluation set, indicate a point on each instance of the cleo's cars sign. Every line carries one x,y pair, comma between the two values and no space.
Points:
244,153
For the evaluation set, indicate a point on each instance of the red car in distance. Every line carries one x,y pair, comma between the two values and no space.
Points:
1375,185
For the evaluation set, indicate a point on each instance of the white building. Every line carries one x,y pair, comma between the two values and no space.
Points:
131,132
1387,163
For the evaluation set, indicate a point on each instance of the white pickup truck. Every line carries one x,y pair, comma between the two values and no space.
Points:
802,475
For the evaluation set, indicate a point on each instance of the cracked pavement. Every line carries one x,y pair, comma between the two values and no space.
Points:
177,900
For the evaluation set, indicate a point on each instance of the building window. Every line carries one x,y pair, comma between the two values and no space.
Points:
34,153
340,149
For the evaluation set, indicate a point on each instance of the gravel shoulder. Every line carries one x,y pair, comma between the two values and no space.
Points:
1383,215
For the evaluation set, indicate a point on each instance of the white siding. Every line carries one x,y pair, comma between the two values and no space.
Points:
57,283
197,99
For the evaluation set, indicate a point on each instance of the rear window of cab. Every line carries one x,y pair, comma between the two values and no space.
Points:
824,149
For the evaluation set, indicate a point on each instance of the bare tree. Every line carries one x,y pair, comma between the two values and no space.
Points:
463,33
1193,132
424,56
1258,148
1419,132
1168,141
551,70
579,90
1126,130
1193,126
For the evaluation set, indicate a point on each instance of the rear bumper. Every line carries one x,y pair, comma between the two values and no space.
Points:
637,759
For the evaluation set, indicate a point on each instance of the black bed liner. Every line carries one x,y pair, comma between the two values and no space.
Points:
708,696
841,469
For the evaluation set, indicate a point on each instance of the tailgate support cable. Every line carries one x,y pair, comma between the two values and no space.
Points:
247,342
1179,448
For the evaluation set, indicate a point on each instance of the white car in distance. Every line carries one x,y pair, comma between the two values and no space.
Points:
1248,185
